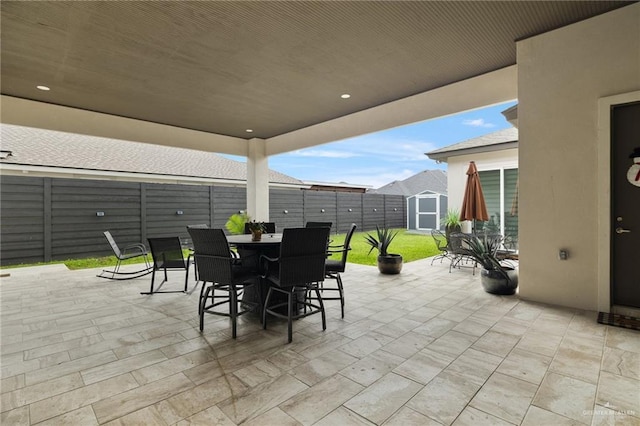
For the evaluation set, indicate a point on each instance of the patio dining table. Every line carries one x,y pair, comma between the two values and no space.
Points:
250,252
244,240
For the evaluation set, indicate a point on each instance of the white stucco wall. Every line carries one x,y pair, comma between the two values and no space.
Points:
561,76
458,165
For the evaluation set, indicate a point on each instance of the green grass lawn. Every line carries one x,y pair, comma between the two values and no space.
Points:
410,246
90,262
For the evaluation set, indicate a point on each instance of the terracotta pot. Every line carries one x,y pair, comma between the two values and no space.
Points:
256,235
390,264
495,283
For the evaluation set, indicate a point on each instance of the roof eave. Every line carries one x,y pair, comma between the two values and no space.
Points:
443,156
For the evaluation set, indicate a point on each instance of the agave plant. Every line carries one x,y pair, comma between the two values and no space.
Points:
381,240
483,250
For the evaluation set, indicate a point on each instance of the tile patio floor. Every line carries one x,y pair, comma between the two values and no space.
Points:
422,348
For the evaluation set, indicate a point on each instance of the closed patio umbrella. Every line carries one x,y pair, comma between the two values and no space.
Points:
473,204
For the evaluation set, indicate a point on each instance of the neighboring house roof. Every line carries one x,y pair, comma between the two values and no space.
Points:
336,186
427,180
502,139
47,148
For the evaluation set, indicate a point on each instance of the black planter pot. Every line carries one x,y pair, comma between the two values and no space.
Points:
495,283
448,230
390,264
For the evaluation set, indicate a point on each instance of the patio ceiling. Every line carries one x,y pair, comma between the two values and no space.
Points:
274,67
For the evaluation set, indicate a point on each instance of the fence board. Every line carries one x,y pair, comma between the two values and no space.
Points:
320,206
291,201
349,210
62,223
76,230
22,219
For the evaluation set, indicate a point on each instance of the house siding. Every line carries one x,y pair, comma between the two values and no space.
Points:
562,204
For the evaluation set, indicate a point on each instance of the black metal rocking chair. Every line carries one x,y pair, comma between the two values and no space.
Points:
129,252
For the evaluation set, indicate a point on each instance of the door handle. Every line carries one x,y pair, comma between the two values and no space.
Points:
620,230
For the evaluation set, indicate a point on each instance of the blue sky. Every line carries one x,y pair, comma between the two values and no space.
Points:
380,158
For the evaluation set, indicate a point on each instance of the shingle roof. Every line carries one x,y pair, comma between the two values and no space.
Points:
427,180
504,136
39,147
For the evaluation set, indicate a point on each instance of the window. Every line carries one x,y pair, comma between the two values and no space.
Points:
500,189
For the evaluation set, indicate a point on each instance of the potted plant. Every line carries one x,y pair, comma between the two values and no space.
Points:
451,222
388,263
235,223
496,276
257,229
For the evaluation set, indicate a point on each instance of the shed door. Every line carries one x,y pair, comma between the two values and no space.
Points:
428,211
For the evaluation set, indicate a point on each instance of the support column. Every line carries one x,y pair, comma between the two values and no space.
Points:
258,180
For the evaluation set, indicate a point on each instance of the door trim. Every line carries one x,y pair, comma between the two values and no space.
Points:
436,213
604,194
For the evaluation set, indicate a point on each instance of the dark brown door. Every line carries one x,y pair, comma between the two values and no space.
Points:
625,222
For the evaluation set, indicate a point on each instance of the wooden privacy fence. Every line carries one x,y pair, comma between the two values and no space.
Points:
44,219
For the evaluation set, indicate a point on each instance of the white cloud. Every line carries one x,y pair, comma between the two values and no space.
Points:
389,149
373,160
478,122
321,153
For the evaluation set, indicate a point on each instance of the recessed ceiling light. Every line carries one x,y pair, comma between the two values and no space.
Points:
45,88
249,130
345,96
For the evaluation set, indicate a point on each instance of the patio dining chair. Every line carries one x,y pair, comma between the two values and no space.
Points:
442,244
189,243
298,269
333,268
311,224
459,254
217,266
167,255
129,252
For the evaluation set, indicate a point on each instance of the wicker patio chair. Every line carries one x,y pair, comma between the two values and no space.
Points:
298,269
189,244
318,224
220,269
129,252
333,268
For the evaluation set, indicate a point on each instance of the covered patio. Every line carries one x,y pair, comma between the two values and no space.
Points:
424,347
258,79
